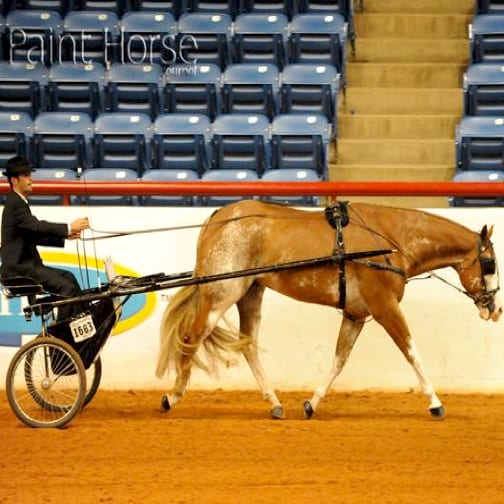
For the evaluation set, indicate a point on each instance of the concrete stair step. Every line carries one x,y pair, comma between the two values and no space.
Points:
418,6
399,25
362,126
386,172
428,75
411,50
403,101
385,151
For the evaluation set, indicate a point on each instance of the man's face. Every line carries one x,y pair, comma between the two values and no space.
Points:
23,184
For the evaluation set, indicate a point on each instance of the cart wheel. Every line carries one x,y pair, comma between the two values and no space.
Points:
55,379
93,377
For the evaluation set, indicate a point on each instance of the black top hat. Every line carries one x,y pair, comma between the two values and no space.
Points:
17,165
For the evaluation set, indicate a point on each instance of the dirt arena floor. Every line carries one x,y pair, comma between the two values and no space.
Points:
222,447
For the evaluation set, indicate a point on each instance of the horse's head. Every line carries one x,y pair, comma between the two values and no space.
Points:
481,277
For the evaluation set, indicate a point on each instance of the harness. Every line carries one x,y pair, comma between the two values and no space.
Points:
337,217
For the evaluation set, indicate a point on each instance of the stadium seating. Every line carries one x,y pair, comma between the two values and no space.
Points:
301,141
261,38
287,7
169,175
174,7
489,7
31,36
205,38
480,201
230,7
483,89
134,88
307,88
192,89
22,87
52,175
16,134
60,6
227,176
319,38
76,87
62,140
123,141
479,143
117,175
118,7
251,88
181,142
90,37
486,39
148,37
241,142
292,175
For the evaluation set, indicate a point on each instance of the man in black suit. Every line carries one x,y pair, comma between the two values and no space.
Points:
22,232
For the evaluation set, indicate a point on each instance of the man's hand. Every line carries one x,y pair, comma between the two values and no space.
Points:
77,226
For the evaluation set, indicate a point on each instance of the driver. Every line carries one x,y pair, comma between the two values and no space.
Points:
22,232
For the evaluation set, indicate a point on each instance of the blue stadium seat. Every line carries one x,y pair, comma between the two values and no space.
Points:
231,7
174,7
90,37
52,175
261,38
310,89
181,142
62,140
123,141
489,7
170,175
60,6
227,176
76,87
251,88
480,201
148,37
479,143
483,89
292,175
117,175
301,141
22,87
134,88
32,36
206,38
241,142
16,134
486,39
319,38
287,7
118,7
192,89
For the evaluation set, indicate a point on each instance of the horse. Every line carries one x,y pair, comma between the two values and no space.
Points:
249,235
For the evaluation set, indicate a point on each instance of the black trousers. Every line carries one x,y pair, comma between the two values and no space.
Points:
56,281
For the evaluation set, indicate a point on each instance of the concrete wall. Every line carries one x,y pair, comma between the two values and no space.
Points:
460,351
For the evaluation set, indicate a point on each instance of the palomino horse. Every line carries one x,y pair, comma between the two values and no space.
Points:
252,234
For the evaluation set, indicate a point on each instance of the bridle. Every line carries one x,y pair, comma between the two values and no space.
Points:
488,266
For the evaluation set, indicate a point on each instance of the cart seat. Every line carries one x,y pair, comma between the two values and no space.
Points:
21,286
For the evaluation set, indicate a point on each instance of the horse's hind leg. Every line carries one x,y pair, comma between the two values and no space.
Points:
394,323
249,308
349,331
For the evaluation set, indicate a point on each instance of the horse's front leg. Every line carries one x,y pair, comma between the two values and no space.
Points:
249,308
394,323
349,331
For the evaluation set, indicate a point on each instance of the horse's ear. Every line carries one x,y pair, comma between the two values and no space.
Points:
486,233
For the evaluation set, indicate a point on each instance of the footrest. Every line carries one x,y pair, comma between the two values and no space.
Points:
21,286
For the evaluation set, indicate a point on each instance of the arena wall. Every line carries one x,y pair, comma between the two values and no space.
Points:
460,351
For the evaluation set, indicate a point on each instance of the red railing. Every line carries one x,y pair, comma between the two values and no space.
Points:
332,189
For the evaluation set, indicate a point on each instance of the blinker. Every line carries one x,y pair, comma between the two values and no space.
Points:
487,265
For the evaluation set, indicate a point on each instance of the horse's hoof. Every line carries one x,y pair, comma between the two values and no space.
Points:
165,403
277,413
437,413
308,410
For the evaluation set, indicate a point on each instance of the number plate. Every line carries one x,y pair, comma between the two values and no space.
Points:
82,329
